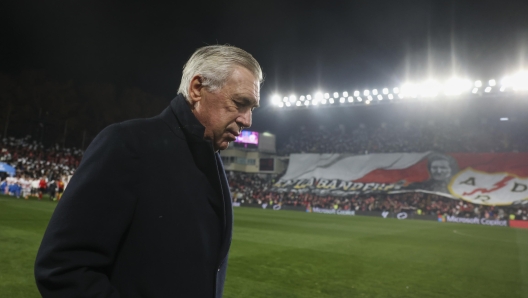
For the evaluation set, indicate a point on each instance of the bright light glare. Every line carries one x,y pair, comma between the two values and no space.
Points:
502,89
331,100
380,97
410,89
345,94
336,94
323,101
309,97
375,92
492,83
302,98
488,89
367,102
275,99
307,103
369,97
520,81
391,97
475,90
288,104
456,86
281,104
504,119
285,99
478,83
342,100
385,91
293,98
360,99
318,95
430,88
298,103
326,95
396,90
366,92
400,96
350,99
356,93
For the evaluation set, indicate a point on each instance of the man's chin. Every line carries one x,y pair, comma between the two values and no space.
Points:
222,146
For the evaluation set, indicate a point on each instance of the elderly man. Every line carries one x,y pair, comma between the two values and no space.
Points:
148,212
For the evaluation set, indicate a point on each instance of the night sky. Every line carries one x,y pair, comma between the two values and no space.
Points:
301,45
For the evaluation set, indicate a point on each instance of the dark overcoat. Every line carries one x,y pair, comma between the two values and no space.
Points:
147,214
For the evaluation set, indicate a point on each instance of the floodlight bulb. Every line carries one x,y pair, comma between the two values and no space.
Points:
331,100
281,104
380,97
307,103
323,101
345,94
318,95
298,103
478,83
385,90
293,98
308,97
492,83
474,91
502,89
288,104
285,99
367,102
356,93
391,97
488,89
456,86
366,92
369,97
396,90
375,92
359,99
302,98
350,99
326,95
336,94
342,100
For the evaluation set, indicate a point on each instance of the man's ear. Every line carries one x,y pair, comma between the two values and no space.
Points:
195,89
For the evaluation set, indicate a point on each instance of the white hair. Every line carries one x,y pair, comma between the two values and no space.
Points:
215,64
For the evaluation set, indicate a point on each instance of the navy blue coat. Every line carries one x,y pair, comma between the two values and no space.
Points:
147,214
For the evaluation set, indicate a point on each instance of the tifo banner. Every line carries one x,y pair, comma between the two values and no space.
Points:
482,178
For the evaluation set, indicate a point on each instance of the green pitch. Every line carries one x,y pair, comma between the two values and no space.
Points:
293,254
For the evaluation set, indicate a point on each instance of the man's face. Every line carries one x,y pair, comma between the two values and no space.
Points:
440,170
226,111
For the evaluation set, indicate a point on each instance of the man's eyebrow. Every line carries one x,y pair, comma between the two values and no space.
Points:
248,101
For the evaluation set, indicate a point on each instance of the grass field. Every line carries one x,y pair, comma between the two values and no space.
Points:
294,254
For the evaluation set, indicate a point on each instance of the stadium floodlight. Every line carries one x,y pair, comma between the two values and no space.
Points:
356,93
326,95
380,97
396,90
375,92
288,104
298,103
331,100
369,97
456,86
359,99
492,83
391,97
410,89
275,99
308,97
430,88
478,83
323,101
350,99
302,98
385,91
488,89
318,95
367,102
366,92
400,96
293,98
336,94
520,81
285,99
474,91
345,94
281,104
502,89
504,119
307,103
342,100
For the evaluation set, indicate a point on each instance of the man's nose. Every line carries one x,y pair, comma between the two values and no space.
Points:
244,119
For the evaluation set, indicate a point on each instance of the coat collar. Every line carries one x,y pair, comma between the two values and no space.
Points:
188,121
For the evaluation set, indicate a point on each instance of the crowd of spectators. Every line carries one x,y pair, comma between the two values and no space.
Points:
256,189
405,138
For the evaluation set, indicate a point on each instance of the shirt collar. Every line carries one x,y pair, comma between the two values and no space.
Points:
189,123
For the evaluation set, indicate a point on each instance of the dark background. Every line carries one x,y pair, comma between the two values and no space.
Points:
112,52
